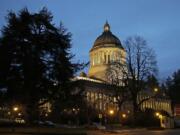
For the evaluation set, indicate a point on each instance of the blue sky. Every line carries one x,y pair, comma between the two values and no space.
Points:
158,21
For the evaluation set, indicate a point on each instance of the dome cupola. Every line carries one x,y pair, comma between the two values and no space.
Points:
107,39
106,49
106,27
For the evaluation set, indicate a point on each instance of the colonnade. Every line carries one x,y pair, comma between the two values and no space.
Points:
105,57
103,102
155,103
158,104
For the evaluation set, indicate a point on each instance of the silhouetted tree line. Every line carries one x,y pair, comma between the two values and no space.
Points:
172,88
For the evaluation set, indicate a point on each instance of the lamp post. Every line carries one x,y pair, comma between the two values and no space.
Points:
15,109
124,115
157,114
17,112
111,112
156,89
160,117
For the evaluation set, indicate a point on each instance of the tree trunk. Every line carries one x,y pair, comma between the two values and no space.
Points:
135,112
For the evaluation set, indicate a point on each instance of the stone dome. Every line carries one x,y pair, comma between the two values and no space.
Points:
107,39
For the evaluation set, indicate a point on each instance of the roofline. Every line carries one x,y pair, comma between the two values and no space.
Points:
94,48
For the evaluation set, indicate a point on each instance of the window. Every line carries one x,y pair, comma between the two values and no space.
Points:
108,59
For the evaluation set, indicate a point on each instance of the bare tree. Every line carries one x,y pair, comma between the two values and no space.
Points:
116,75
132,74
141,63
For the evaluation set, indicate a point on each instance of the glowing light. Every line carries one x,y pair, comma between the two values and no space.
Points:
111,112
155,89
15,109
160,116
124,115
157,114
74,109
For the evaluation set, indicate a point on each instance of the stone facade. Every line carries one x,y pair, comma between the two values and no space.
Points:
107,48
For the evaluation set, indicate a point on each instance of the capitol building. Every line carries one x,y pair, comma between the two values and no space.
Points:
108,48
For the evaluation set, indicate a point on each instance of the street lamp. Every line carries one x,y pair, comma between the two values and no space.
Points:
15,109
156,90
160,117
111,115
124,115
157,114
111,112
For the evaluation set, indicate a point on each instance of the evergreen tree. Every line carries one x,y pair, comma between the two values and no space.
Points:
152,82
173,87
35,60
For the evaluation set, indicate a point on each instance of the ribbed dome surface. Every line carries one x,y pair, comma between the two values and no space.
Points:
107,39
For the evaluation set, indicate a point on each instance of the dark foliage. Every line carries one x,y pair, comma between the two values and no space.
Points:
35,61
147,119
172,87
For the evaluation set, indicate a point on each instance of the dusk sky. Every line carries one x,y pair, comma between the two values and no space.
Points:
158,21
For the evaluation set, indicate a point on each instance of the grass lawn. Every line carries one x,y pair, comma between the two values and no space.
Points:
62,133
42,131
